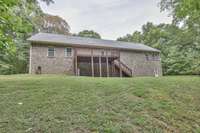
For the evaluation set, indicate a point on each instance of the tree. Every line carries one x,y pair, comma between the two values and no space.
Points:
174,44
182,10
135,37
14,19
188,13
51,24
89,33
19,19
179,45
55,24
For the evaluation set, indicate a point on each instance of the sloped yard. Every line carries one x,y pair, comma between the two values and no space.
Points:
59,104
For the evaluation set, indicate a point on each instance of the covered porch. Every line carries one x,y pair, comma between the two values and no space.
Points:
96,67
99,64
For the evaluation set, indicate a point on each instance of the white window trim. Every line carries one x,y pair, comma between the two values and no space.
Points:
65,52
152,57
48,52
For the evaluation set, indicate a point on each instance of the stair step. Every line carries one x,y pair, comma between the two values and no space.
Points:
123,67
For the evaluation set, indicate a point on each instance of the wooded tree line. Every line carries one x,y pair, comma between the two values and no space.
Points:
180,47
179,42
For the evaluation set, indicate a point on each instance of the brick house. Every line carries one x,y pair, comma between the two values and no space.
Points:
61,54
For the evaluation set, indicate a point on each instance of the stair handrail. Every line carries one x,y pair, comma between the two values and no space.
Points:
124,65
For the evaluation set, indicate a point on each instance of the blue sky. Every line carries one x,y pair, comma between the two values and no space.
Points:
110,18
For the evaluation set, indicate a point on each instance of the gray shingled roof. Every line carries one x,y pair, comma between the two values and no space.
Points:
88,42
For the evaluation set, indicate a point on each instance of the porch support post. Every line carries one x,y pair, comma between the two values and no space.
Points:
114,72
92,63
100,69
107,64
120,68
75,61
113,69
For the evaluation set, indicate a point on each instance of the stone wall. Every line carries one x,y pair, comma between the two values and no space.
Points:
50,65
138,62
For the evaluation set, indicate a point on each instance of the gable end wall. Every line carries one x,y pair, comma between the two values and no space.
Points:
139,64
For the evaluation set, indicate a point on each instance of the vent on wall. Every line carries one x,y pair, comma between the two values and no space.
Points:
39,70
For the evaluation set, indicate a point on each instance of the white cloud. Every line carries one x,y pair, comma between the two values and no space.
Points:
110,18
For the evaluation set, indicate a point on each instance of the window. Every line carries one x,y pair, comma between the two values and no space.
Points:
68,52
51,52
147,57
152,57
156,57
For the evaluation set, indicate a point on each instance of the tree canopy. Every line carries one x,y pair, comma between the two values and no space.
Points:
53,24
179,42
182,10
89,33
19,19
179,50
187,12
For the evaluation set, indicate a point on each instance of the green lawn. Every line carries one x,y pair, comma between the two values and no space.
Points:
57,104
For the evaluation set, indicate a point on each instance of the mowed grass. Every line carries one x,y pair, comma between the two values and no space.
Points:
62,104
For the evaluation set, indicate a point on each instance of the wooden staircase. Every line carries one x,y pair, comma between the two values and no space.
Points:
124,68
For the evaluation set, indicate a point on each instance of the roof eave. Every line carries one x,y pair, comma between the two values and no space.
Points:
81,45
